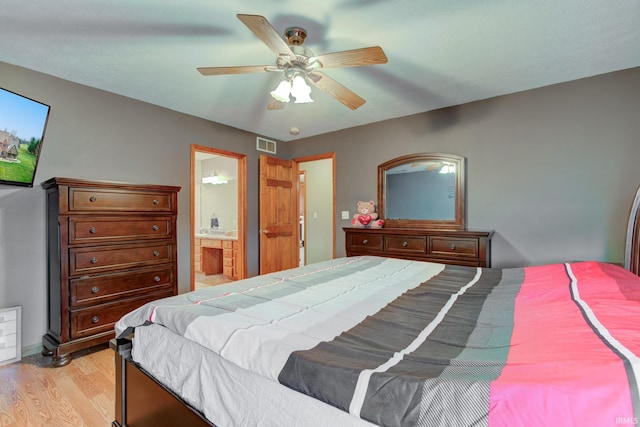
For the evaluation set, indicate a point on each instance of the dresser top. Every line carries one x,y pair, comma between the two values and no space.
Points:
70,182
420,231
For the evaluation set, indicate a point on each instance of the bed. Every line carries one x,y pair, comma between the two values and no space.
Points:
368,340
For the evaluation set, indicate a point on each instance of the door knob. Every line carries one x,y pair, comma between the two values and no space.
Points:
264,231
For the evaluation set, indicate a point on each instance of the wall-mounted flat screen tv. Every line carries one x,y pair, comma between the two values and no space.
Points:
23,122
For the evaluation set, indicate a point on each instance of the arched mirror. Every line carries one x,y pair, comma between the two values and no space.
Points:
424,190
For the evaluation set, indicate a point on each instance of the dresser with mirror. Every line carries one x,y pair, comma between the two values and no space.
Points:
422,199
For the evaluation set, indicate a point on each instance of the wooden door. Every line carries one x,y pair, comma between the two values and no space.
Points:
279,222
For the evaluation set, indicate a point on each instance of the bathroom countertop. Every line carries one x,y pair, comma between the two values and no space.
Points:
216,236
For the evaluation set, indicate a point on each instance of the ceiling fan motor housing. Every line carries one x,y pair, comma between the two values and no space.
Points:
295,35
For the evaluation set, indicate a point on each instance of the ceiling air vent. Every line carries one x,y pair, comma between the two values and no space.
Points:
266,145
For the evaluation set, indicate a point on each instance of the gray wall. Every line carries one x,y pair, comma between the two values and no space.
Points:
97,135
553,171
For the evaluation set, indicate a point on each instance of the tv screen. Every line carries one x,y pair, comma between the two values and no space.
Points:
22,125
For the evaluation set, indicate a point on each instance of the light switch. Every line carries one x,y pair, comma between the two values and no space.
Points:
315,215
345,214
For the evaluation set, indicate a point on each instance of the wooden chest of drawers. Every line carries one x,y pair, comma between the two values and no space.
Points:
111,248
459,247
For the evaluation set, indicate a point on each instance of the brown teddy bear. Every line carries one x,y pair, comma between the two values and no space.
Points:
367,216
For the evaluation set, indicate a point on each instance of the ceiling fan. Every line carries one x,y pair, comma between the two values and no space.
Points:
300,65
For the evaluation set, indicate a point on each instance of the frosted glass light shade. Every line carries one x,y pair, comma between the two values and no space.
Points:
300,90
282,92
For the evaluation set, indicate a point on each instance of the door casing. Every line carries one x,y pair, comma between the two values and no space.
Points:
242,207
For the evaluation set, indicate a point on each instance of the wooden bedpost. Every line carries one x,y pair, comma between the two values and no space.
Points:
122,349
632,246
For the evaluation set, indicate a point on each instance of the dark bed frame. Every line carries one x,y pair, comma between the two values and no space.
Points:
142,401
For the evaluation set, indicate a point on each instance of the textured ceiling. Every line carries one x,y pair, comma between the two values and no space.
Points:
440,53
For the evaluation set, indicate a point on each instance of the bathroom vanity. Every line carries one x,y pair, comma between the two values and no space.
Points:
217,254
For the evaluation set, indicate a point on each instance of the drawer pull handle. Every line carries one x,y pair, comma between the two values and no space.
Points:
92,230
405,244
93,198
156,227
453,247
93,260
365,241
95,290
156,279
156,253
95,319
156,202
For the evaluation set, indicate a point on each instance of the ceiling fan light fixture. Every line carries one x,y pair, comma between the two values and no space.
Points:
282,92
448,168
300,90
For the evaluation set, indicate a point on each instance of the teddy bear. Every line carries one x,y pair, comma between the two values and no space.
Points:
367,216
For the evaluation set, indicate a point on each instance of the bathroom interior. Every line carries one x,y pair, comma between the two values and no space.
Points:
215,219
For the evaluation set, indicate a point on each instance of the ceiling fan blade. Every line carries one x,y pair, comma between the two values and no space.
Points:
217,71
265,32
275,105
353,58
335,89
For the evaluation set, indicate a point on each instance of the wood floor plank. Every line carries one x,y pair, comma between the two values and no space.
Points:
34,394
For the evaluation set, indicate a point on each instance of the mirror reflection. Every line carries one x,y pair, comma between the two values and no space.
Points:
424,190
435,181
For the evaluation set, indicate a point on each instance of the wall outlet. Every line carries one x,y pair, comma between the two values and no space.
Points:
345,215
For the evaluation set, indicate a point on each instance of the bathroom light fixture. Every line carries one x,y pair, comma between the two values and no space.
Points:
215,179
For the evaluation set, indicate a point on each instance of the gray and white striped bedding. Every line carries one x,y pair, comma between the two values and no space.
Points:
399,342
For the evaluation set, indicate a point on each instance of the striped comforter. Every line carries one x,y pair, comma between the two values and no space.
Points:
400,342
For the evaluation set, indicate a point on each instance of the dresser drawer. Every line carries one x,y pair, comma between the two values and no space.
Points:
7,341
111,229
9,327
406,244
113,200
466,247
372,242
103,258
7,315
211,243
99,289
101,318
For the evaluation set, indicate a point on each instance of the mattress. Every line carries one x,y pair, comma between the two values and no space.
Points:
399,342
224,393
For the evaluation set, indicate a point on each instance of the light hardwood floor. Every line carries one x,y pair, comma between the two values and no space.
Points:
203,281
34,394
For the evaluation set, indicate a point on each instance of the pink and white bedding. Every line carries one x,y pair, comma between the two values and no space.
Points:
399,342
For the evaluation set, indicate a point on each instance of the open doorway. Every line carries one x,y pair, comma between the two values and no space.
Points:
317,207
218,216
